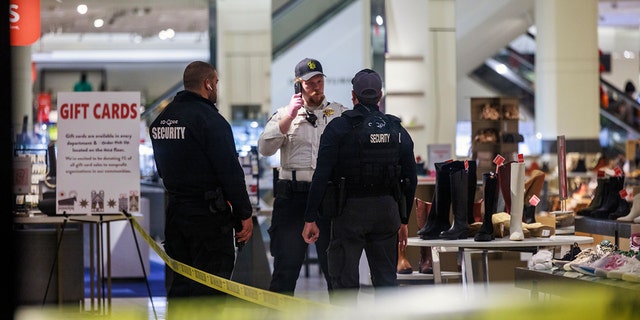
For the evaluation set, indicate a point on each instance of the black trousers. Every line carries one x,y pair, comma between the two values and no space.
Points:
287,245
368,224
201,239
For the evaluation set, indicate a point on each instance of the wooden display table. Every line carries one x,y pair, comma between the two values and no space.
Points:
466,246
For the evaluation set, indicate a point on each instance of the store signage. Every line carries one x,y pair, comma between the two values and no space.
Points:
24,22
98,168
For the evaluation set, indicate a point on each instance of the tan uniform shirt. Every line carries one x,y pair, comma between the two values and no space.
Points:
299,146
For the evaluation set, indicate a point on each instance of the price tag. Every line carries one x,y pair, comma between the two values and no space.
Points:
623,193
534,200
618,171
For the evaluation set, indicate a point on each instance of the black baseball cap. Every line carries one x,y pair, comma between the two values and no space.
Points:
308,68
367,84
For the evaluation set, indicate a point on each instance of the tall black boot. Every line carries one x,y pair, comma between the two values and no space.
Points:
459,201
490,196
596,201
471,189
610,198
438,218
624,207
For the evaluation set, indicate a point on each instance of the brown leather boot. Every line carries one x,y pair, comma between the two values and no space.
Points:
404,267
422,211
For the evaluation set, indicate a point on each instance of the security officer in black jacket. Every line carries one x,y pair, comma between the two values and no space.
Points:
197,160
370,155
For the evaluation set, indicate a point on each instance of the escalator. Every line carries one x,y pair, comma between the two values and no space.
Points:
511,73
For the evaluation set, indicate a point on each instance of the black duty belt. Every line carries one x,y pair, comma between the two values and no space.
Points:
294,186
368,191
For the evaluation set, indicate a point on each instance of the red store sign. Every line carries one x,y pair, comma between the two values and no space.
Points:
24,22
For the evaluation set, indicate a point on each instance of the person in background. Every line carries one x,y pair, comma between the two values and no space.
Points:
196,157
630,92
370,156
295,130
82,84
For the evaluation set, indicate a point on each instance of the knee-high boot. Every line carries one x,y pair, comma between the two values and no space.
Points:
517,201
610,198
460,205
438,218
404,267
472,183
426,260
532,187
504,183
596,201
490,196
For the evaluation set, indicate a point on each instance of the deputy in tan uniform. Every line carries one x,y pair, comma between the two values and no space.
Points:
295,130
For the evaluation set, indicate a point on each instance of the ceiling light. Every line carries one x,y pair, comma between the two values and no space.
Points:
501,69
82,8
98,23
379,20
166,34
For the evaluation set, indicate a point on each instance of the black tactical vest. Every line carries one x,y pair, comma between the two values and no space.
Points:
370,155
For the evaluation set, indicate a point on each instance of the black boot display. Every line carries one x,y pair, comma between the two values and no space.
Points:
472,184
460,203
596,201
490,196
438,218
610,198
623,209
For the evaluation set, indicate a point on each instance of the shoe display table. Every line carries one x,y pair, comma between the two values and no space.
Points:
467,246
612,228
564,283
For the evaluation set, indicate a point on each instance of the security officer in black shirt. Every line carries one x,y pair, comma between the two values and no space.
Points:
197,160
369,155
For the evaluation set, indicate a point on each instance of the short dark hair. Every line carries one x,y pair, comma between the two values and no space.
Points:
195,73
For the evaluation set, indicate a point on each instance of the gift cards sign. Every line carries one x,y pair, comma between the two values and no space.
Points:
98,169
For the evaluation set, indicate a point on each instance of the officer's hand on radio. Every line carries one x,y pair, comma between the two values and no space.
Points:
310,233
294,105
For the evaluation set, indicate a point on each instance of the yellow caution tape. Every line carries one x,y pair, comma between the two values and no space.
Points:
262,297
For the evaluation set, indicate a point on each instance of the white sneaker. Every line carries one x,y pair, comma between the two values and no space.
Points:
631,265
599,267
590,255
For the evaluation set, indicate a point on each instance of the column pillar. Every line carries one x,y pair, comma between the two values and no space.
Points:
420,69
567,76
22,88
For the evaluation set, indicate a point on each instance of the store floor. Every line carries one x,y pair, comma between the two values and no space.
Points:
408,300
